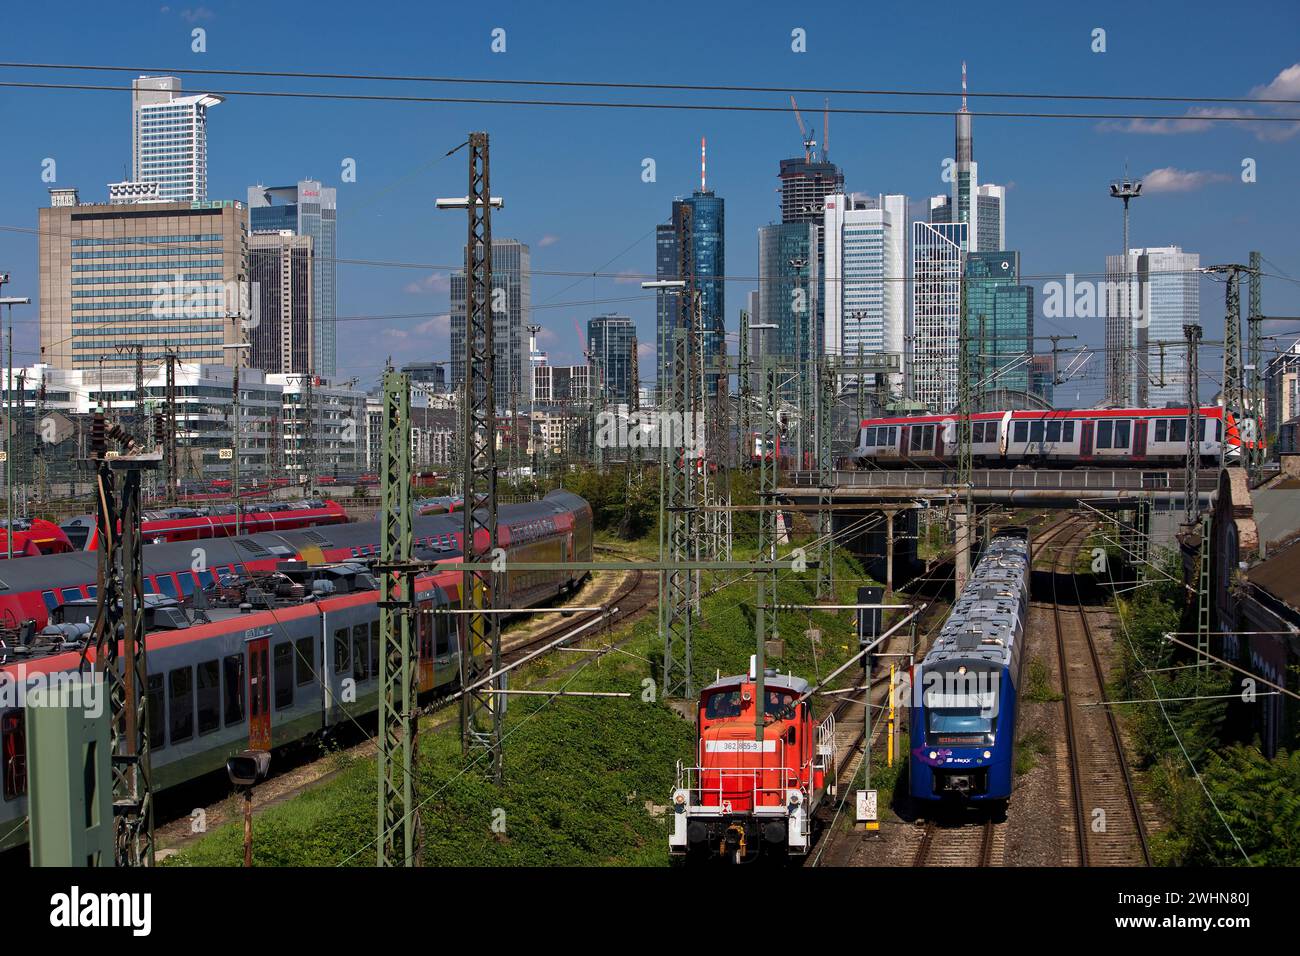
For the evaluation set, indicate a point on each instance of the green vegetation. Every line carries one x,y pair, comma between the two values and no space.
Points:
1038,684
1031,746
586,778
1254,799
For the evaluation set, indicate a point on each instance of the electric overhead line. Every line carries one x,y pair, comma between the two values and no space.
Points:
693,107
679,87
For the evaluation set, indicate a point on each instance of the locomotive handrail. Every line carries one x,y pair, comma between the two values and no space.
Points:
686,776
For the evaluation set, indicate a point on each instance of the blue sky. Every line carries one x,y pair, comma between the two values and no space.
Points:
571,178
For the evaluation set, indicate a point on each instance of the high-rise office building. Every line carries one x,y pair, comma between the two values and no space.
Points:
789,292
307,209
1162,295
805,184
280,331
981,207
611,342
511,287
1042,377
938,258
432,375
1000,322
864,292
707,261
167,275
169,138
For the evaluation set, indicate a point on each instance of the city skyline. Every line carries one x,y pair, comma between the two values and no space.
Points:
1054,171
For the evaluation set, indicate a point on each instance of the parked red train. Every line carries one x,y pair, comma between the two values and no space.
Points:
33,536
196,524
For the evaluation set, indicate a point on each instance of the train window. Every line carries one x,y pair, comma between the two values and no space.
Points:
442,634
282,663
1162,429
722,705
870,438
360,653
157,713
342,652
976,432
239,569
1053,432
1104,430
233,666
1036,432
306,655
187,583
1205,424
1067,431
14,732
149,587
374,648
167,584
71,594
51,600
1178,429
1121,434
180,703
208,688
1021,431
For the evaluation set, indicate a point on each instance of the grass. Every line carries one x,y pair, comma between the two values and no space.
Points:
585,778
1029,748
1038,684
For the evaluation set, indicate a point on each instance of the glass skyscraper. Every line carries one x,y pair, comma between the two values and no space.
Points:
1163,296
307,209
708,259
512,275
789,291
611,340
1000,322
169,138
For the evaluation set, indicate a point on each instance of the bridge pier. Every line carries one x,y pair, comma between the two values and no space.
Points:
883,538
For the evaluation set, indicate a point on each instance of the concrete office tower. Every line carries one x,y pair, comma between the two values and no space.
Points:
307,209
280,268
938,258
611,340
168,275
864,292
169,137
511,279
1163,296
982,208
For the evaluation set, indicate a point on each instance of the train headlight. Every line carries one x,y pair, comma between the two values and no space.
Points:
679,802
934,755
988,755
794,799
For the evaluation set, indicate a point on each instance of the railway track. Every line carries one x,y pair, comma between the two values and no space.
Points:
1108,825
959,845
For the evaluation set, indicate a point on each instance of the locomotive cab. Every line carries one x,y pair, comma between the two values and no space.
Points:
745,794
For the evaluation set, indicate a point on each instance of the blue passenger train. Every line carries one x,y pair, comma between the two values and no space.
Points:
964,691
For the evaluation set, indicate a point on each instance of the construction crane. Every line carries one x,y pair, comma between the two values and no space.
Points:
809,144
826,131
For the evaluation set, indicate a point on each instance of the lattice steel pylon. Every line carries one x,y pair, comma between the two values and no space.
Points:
118,639
480,710
768,446
826,372
1254,356
676,587
1191,478
399,715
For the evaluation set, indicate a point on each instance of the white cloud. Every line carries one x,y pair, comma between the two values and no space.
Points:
547,240
1284,86
433,282
436,327
1167,179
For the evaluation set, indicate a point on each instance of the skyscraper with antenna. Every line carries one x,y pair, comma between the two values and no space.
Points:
707,263
981,207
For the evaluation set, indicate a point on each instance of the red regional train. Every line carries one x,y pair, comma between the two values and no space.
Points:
33,536
195,524
263,655
1062,438
745,795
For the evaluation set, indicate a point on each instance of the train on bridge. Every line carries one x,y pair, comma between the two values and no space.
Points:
1059,438
268,646
964,692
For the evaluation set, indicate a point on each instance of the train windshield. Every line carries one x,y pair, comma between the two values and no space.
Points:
961,708
723,704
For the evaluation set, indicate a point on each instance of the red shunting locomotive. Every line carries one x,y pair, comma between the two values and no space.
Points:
746,795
